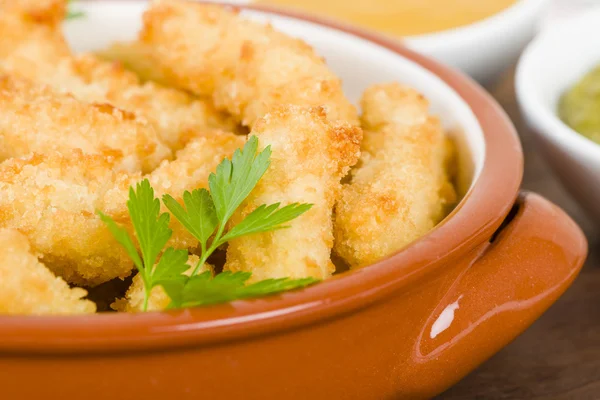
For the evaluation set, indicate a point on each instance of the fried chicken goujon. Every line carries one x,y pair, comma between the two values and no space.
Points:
28,287
39,53
190,170
247,67
36,119
309,157
53,200
30,30
400,188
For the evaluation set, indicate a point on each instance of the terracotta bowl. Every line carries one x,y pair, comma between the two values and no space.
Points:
409,326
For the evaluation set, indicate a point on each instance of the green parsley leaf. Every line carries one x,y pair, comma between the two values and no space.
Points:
172,265
199,216
203,289
266,218
151,227
204,214
152,232
169,273
235,179
73,14
122,236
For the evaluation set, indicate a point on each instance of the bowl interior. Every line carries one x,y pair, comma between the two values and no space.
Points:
358,62
361,59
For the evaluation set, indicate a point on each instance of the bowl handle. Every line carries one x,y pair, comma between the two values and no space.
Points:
506,285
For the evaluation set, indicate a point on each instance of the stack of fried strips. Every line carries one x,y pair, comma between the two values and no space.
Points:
77,130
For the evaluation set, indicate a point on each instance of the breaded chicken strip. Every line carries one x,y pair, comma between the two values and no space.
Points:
190,170
247,67
400,189
51,12
137,58
30,30
35,118
53,200
28,287
174,114
310,156
158,300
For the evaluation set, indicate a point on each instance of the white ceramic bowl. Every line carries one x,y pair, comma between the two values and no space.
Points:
486,48
483,49
551,64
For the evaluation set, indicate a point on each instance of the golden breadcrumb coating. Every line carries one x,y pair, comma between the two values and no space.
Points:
30,32
309,158
53,200
194,163
28,287
247,67
35,118
190,170
174,114
51,12
158,299
137,58
400,188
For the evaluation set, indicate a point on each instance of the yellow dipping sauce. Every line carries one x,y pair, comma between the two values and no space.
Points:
401,17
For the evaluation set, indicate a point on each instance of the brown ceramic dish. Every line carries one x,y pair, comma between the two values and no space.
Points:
409,326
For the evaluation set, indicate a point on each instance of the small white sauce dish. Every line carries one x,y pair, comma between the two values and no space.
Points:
486,48
550,65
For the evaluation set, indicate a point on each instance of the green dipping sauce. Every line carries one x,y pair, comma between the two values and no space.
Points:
580,106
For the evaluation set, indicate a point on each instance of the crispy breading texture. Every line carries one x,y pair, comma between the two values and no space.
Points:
174,114
190,170
248,68
400,189
49,12
310,156
39,53
27,287
53,200
35,118
30,32
158,299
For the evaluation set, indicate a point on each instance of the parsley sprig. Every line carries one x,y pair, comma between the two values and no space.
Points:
73,14
205,214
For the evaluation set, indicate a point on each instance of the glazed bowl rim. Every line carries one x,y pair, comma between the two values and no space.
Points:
473,221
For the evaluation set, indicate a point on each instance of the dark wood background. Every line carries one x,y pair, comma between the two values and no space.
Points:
558,358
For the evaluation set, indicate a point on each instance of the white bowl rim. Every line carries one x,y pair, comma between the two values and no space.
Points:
457,34
460,34
546,119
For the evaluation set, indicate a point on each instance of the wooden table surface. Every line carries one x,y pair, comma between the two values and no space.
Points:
558,358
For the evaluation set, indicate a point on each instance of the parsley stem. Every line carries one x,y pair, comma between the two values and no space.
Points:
146,298
213,246
147,289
